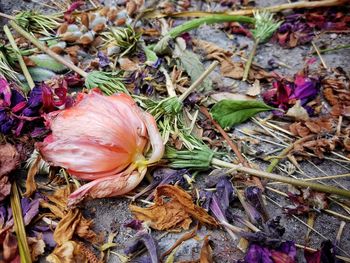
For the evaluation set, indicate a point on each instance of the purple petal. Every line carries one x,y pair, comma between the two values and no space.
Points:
29,209
257,254
103,59
143,239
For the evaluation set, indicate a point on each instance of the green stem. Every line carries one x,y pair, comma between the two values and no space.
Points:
19,225
250,60
318,187
19,57
7,16
218,18
332,49
48,51
198,81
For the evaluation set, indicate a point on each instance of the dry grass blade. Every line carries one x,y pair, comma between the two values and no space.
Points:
24,251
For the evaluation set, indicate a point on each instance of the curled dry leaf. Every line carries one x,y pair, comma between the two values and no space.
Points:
9,247
72,221
336,90
9,160
36,246
68,252
229,68
312,126
255,89
172,214
206,255
32,171
298,112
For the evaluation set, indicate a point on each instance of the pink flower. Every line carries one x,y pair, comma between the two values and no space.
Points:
104,140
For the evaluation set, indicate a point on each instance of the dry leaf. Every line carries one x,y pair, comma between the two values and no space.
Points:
9,251
172,214
66,227
9,159
229,96
36,246
68,252
32,171
229,68
206,255
127,64
298,112
316,126
255,89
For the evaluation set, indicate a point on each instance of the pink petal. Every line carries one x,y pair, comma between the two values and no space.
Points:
111,186
85,159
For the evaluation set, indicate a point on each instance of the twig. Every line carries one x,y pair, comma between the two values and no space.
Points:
338,176
48,51
19,57
250,60
319,55
198,81
333,49
284,153
271,9
169,84
7,16
23,247
296,182
232,145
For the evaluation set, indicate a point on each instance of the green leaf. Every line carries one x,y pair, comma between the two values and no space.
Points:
190,62
47,62
231,112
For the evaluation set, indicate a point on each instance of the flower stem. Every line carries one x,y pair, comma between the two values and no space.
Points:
217,18
7,16
301,183
198,81
23,247
250,60
48,51
19,57
271,9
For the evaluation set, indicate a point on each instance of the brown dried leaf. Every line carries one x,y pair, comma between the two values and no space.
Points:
36,246
9,248
336,90
297,128
229,68
30,182
67,226
127,64
255,89
173,214
68,252
206,255
298,112
9,159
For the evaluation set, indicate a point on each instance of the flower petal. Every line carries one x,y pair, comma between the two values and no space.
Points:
115,185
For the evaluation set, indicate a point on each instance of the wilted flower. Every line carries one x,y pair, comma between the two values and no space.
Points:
103,140
284,93
300,28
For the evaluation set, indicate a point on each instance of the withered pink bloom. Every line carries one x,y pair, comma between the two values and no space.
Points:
103,140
